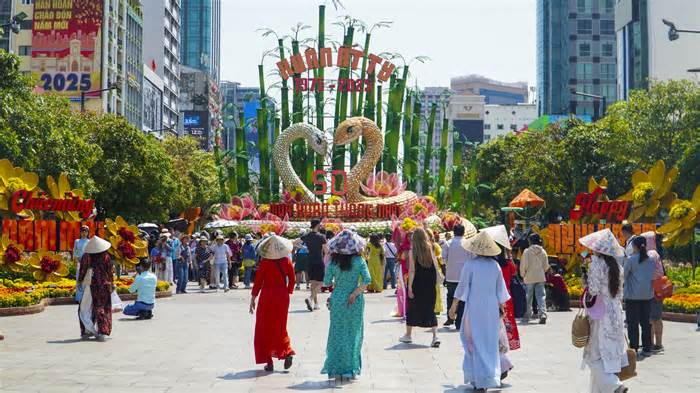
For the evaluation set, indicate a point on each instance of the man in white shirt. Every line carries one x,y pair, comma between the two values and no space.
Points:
222,260
390,253
455,256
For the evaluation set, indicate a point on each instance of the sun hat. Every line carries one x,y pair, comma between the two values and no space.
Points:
275,247
482,244
499,234
203,239
650,237
346,242
248,236
97,245
220,237
603,242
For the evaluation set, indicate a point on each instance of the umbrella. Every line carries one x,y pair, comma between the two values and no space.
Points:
179,224
527,198
147,225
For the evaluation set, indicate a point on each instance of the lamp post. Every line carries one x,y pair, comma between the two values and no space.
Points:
15,25
597,100
111,86
673,30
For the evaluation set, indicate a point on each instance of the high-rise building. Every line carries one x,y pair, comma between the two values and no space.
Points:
494,92
153,103
440,96
104,53
161,48
200,45
645,52
200,104
576,52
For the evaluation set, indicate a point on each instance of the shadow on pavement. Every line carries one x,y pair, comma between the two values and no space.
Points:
67,341
248,374
315,385
387,320
300,311
405,347
466,388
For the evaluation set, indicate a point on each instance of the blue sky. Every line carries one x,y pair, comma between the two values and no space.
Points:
494,38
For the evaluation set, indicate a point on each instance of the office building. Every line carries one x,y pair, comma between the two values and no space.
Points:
440,96
466,114
90,59
494,92
645,52
161,48
5,15
502,119
576,52
200,44
200,104
153,91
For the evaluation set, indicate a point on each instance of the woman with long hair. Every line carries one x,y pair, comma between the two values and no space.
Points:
349,272
274,282
96,277
422,277
437,252
606,351
375,263
639,291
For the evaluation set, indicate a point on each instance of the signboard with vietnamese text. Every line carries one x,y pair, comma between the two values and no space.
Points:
67,46
562,239
48,235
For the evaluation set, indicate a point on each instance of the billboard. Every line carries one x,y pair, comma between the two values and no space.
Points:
196,122
152,106
66,46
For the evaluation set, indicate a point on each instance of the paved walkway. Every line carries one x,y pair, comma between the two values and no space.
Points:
203,342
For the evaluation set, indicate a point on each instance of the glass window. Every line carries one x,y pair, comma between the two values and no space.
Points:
607,71
607,27
500,126
609,92
584,49
584,26
583,6
607,48
25,50
487,126
487,137
585,89
584,71
513,127
606,6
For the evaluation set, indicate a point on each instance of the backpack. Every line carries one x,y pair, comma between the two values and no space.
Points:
517,289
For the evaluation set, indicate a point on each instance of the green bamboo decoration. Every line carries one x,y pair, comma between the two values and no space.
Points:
428,156
415,142
241,156
285,90
341,103
275,176
457,173
263,141
369,107
320,75
299,146
443,148
363,75
385,162
407,115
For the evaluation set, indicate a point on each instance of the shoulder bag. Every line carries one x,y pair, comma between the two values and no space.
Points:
631,369
580,329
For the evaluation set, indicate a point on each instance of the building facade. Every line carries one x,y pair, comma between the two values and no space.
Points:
645,53
153,92
576,52
502,119
132,84
5,15
494,92
200,44
440,96
200,105
161,48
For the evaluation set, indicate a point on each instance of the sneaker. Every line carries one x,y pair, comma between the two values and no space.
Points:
269,367
225,290
308,304
316,307
524,321
435,343
657,348
449,322
504,375
101,338
647,354
405,339
85,337
621,389
297,287
543,319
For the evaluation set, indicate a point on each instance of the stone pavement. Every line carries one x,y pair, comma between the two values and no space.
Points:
203,342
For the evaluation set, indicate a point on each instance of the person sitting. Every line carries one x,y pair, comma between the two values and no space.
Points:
145,287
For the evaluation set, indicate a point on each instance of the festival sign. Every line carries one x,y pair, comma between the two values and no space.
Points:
66,46
48,235
347,57
592,204
343,211
24,199
563,238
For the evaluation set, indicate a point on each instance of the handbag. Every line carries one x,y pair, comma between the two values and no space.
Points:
631,369
580,329
594,306
663,288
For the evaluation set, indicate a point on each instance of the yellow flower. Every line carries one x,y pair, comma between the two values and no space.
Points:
48,266
264,209
334,200
14,179
62,190
683,216
127,246
11,254
409,224
418,208
651,191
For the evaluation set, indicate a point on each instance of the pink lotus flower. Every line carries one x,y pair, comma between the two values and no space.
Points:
419,208
295,195
272,223
239,209
383,184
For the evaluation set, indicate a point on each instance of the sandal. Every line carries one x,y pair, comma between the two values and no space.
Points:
288,362
435,343
269,367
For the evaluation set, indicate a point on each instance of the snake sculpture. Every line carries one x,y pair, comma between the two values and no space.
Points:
350,130
283,163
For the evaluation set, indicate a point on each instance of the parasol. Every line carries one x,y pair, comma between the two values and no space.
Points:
527,198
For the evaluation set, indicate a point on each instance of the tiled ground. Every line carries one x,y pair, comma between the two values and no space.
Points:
203,342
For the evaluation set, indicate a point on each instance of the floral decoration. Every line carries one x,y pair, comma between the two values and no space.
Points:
11,254
651,191
383,184
449,220
48,266
419,208
13,179
335,200
62,190
127,247
271,224
294,195
239,209
683,216
332,224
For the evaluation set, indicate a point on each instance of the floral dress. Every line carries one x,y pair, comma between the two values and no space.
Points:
345,335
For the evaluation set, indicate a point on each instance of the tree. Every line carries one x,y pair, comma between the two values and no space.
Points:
195,170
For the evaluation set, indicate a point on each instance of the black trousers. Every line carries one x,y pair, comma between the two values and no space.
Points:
451,288
637,314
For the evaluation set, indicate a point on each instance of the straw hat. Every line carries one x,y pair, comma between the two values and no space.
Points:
220,237
203,239
603,242
499,234
482,244
347,242
275,247
97,245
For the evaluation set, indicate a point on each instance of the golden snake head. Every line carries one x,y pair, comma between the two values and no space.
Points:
317,140
349,130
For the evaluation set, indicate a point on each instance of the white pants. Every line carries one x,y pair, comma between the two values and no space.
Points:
169,274
602,382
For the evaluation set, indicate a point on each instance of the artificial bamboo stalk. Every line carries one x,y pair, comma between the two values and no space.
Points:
285,90
275,189
242,175
386,157
341,103
415,142
370,105
407,114
263,148
320,75
299,146
363,75
428,157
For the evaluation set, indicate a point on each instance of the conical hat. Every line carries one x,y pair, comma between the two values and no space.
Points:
482,244
275,247
499,234
97,245
347,242
603,242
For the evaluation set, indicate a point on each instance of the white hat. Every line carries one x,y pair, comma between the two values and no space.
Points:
482,244
203,239
275,247
499,234
97,245
220,237
603,242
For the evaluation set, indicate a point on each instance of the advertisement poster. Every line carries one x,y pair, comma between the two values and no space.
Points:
66,46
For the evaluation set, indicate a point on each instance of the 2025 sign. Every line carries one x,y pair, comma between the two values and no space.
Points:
67,82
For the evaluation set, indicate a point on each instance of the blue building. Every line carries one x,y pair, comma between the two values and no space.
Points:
200,44
576,51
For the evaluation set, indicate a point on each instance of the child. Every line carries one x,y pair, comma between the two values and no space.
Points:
145,287
503,347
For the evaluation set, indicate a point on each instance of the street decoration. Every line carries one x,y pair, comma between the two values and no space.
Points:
73,209
683,217
240,208
47,265
127,247
562,239
13,179
651,191
347,57
594,205
527,198
11,254
383,184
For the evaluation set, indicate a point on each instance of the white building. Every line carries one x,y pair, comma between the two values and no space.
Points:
644,51
502,119
161,48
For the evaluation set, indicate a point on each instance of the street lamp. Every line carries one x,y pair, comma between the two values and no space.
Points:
597,100
673,30
15,23
111,86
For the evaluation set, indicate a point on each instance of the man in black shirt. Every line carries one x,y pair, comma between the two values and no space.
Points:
316,244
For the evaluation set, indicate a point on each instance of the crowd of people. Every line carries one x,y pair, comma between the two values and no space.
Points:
484,289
